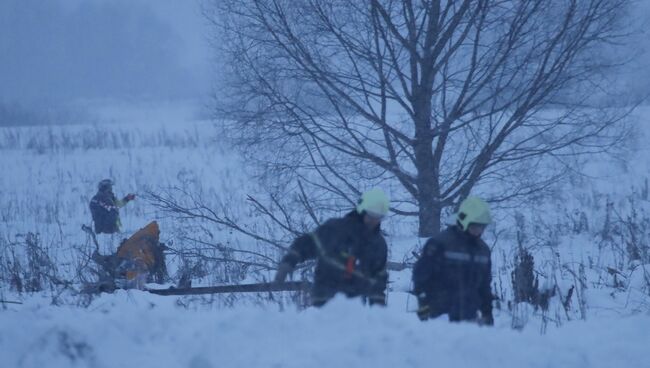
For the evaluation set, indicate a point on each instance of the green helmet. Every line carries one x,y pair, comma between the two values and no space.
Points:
473,210
374,202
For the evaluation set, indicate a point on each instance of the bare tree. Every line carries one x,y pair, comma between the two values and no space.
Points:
431,98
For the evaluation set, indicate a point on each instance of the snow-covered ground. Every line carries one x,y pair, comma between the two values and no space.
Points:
49,174
136,329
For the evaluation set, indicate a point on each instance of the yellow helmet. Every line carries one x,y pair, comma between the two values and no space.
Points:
473,210
374,202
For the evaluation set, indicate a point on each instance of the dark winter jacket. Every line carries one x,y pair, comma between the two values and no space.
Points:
350,259
453,276
104,207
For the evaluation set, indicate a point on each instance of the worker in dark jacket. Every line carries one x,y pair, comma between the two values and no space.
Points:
105,208
453,273
350,251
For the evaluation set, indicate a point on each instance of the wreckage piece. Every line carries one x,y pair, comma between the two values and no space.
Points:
141,257
138,260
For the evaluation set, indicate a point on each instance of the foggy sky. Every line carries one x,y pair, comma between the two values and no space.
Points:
63,50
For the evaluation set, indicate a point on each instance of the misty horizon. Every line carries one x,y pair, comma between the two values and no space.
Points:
61,51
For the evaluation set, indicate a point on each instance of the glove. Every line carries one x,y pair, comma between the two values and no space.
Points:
377,299
486,320
129,197
424,312
283,270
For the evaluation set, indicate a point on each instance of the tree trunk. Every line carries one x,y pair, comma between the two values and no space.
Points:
427,179
429,216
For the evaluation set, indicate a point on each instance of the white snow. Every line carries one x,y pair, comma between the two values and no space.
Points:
137,329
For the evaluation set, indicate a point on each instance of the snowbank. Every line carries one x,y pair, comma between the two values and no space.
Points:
136,329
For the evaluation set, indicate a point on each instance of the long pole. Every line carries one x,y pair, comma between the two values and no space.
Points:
243,288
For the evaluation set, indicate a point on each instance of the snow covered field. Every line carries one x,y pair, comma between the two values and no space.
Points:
135,329
49,174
